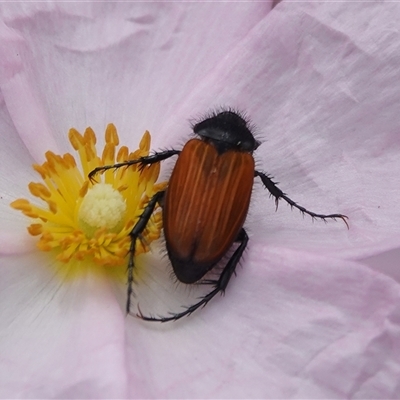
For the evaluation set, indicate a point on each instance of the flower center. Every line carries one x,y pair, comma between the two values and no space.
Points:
86,222
103,206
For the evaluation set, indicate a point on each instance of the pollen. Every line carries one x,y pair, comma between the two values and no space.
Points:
88,223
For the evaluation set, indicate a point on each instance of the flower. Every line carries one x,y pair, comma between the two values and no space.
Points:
90,223
306,316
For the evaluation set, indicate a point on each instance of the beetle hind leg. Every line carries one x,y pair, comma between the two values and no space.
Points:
278,194
219,284
135,234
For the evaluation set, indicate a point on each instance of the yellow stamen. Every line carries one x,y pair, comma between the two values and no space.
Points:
85,222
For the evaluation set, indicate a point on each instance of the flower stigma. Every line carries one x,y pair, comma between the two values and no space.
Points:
103,206
88,223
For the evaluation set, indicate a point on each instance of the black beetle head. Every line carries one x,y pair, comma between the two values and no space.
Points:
227,130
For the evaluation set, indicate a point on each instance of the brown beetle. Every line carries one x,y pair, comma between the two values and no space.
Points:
206,203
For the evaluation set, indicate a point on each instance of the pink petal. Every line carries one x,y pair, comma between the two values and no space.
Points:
58,339
291,325
386,263
16,173
28,116
321,87
131,64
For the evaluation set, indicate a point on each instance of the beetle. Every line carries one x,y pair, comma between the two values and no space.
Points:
206,203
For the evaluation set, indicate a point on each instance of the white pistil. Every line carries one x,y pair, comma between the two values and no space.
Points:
102,207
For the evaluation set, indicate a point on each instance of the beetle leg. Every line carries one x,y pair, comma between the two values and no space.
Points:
135,234
278,194
154,158
219,285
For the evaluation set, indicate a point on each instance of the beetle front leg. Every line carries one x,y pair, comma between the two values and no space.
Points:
278,194
136,234
219,285
147,160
